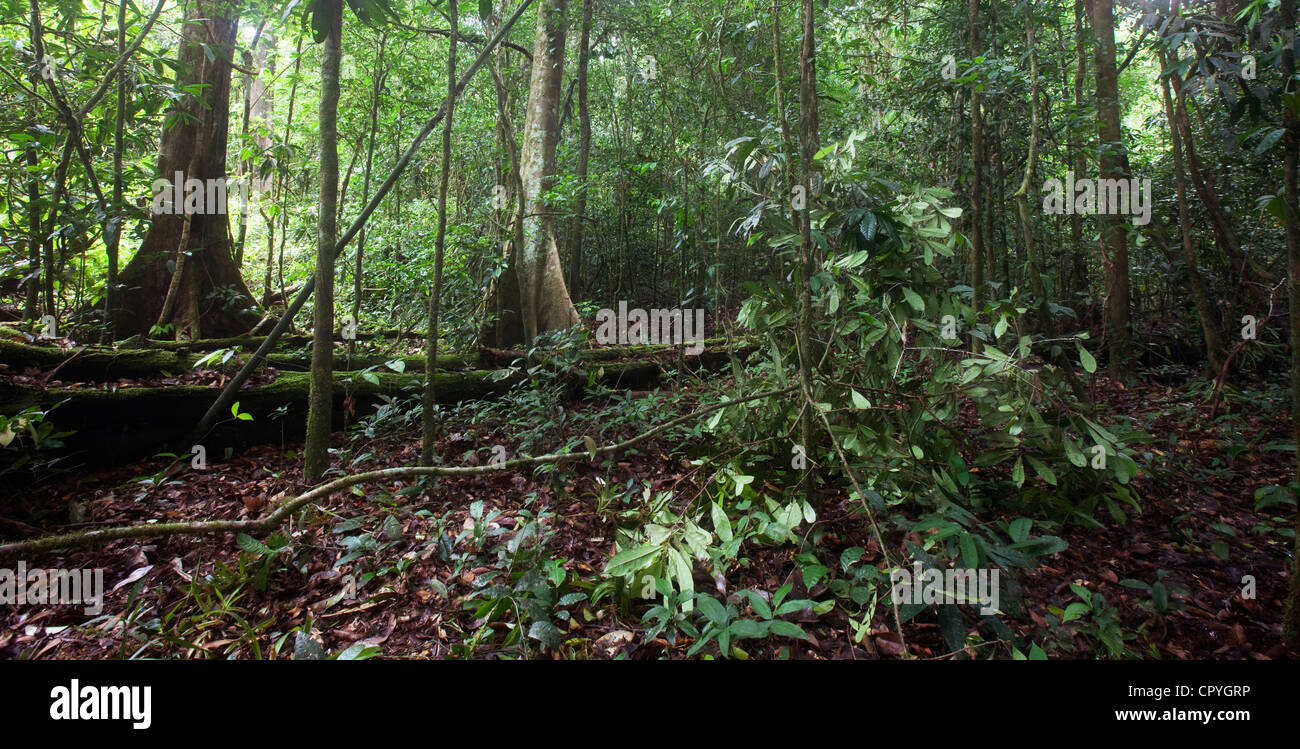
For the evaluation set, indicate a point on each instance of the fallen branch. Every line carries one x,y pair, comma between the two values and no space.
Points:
195,528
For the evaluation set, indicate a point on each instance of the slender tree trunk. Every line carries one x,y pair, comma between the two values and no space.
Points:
320,399
380,73
584,153
1200,294
808,137
977,174
1291,202
1224,237
1022,195
1077,158
779,105
1114,165
288,125
113,232
35,237
503,296
253,61
429,420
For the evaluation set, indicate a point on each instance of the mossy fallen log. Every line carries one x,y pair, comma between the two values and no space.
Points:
89,363
250,342
112,424
104,364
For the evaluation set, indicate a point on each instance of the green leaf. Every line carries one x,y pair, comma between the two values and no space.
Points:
392,528
684,574
358,651
484,9
783,628
745,629
741,483
1043,471
969,554
322,18
1018,472
757,603
1085,358
851,556
627,562
712,610
1074,454
252,545
859,401
1075,611
546,633
720,523
914,299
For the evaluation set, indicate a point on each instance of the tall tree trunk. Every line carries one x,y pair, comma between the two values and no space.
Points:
280,184
1022,195
1200,294
203,119
1114,165
808,137
584,151
506,329
1224,237
1291,620
113,231
429,420
265,108
544,298
35,237
320,399
380,72
977,174
252,59
1079,264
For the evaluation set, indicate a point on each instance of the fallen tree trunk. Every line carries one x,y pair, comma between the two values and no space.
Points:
103,364
112,425
92,363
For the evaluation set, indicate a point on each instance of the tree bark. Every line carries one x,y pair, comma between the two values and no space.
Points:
202,119
977,175
1022,195
584,152
1200,294
544,298
1291,202
808,138
1113,165
429,421
319,415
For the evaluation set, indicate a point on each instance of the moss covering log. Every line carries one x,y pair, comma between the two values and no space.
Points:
115,424
103,364
89,363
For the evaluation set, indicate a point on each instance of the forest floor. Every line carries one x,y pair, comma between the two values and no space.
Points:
423,566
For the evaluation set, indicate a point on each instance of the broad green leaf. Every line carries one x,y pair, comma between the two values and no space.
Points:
721,525
1085,358
787,629
626,562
